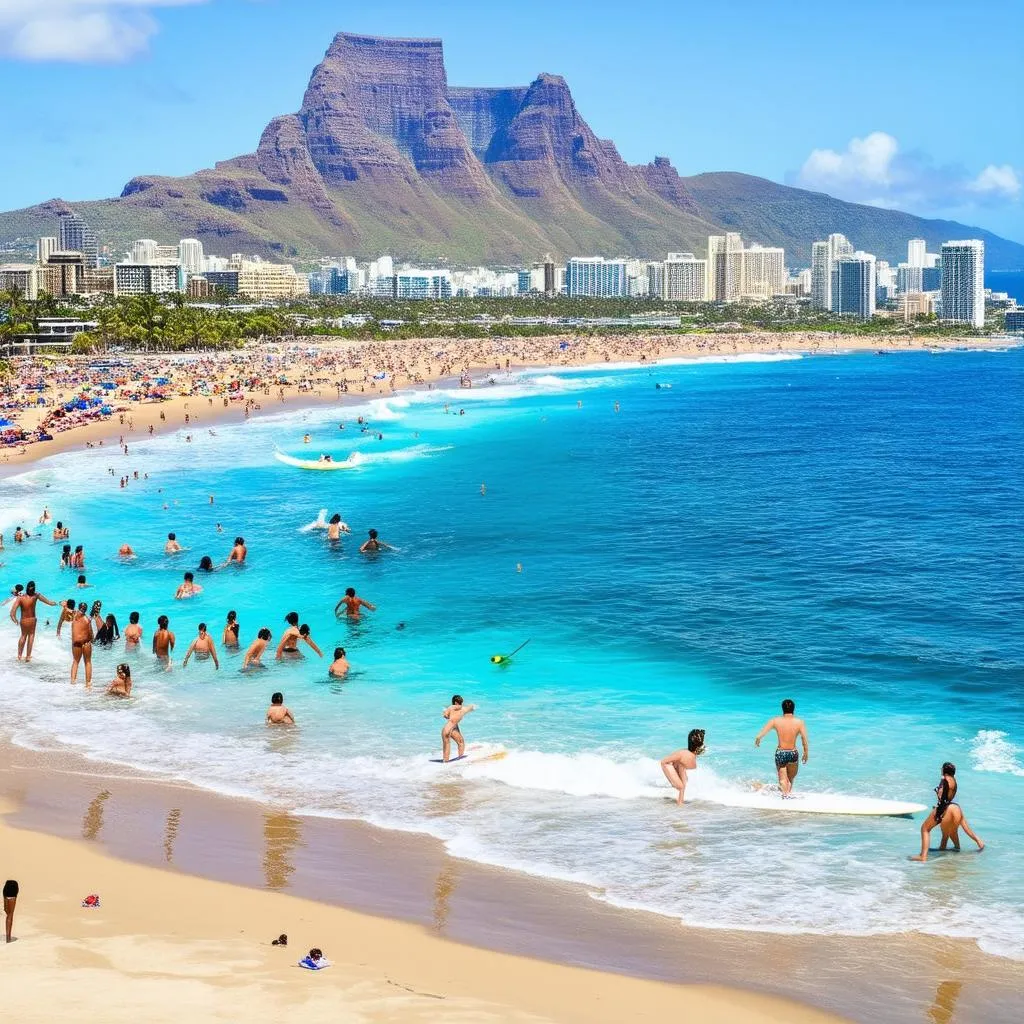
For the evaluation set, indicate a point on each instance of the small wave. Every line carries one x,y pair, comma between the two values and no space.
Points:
991,751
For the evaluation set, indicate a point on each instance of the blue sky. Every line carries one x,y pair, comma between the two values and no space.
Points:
916,105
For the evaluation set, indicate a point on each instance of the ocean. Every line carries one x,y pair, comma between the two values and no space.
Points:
845,531
1010,281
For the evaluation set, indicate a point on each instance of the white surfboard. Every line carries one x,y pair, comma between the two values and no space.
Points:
770,799
475,753
290,460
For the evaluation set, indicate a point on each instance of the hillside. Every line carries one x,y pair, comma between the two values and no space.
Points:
383,156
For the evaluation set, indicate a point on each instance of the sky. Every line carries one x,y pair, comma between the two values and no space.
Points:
906,104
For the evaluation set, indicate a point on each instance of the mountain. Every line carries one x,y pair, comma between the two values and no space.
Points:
384,156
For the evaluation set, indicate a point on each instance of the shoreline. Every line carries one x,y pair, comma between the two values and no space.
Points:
398,360
365,878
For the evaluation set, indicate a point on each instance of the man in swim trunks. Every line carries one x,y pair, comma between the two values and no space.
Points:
203,648
277,713
256,649
787,728
26,604
10,900
81,644
163,642
353,604
454,713
373,544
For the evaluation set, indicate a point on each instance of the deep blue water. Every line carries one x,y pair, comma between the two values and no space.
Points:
1011,281
845,531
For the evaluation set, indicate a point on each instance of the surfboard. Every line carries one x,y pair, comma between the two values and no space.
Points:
290,460
814,803
475,754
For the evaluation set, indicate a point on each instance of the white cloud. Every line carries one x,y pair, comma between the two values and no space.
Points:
83,31
874,170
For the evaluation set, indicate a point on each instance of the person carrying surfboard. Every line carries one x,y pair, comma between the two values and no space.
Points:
454,714
787,727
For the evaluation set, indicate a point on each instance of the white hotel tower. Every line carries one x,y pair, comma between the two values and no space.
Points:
963,282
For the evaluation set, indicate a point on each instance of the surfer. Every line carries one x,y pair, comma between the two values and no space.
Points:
256,649
787,728
277,713
677,764
353,604
340,666
27,604
163,642
947,815
454,714
373,543
202,647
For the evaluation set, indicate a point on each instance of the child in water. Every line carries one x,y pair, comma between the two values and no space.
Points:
277,713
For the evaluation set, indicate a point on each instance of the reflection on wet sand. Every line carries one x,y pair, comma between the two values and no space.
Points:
92,823
171,832
946,996
447,879
283,833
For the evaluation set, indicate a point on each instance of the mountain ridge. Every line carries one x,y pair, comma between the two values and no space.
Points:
384,156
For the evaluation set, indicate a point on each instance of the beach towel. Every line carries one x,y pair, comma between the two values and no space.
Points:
91,901
314,965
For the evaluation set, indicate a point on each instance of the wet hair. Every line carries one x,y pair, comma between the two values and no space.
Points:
60,525
189,577
70,604
206,563
110,620
134,618
456,699
292,618
336,518
264,633
232,616
373,534
304,630
339,652
277,698
695,741
66,550
788,707
19,587
78,549
30,588
202,627
949,768
350,591
172,536
239,540
124,670
163,622
81,578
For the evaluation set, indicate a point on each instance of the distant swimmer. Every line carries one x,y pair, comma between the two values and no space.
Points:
125,551
132,632
239,553
340,666
44,519
787,729
202,647
231,628
189,588
81,645
947,815
122,684
163,642
306,439
352,604
25,604
82,583
172,547
336,527
277,713
483,490
454,714
678,763
256,649
373,543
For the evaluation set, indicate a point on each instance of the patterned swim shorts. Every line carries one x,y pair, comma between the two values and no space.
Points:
784,757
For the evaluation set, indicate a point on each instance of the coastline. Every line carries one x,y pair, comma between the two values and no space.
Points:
169,862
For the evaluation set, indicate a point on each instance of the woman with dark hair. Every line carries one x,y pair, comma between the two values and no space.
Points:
947,815
108,632
65,557
122,685
206,564
231,627
677,764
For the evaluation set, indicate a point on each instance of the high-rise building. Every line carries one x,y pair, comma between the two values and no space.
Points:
74,235
142,250
260,280
24,278
963,282
764,272
63,273
44,247
823,256
853,285
725,267
656,279
685,278
190,255
596,277
411,283
916,252
146,278
523,282
167,254
909,278
550,284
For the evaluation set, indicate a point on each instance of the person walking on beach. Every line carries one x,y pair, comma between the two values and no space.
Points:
277,713
256,649
202,647
353,604
947,815
26,605
679,762
163,642
454,714
81,644
11,890
787,728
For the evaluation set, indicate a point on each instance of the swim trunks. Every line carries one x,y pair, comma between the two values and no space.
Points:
784,757
10,889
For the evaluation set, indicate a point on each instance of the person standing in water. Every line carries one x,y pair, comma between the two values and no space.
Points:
787,728
353,604
122,684
67,613
256,649
132,632
202,647
81,645
677,764
947,815
231,628
454,714
340,666
163,641
373,544
172,547
189,588
335,528
239,553
26,604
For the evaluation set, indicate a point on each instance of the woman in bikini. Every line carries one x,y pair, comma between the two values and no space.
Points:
27,604
947,815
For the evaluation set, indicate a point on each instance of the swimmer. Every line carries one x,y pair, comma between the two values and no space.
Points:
336,527
172,547
44,519
26,605
132,632
677,764
231,627
122,684
277,713
340,666
256,649
238,553
125,551
163,642
373,544
292,635
787,729
947,815
483,490
189,588
67,613
202,647
78,558
82,584
304,635
454,714
353,604
206,564
81,645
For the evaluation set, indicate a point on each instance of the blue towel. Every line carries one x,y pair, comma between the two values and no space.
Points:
314,965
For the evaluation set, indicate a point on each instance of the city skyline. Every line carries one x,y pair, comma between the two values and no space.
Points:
880,152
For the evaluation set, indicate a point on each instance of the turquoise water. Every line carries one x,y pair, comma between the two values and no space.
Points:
845,531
